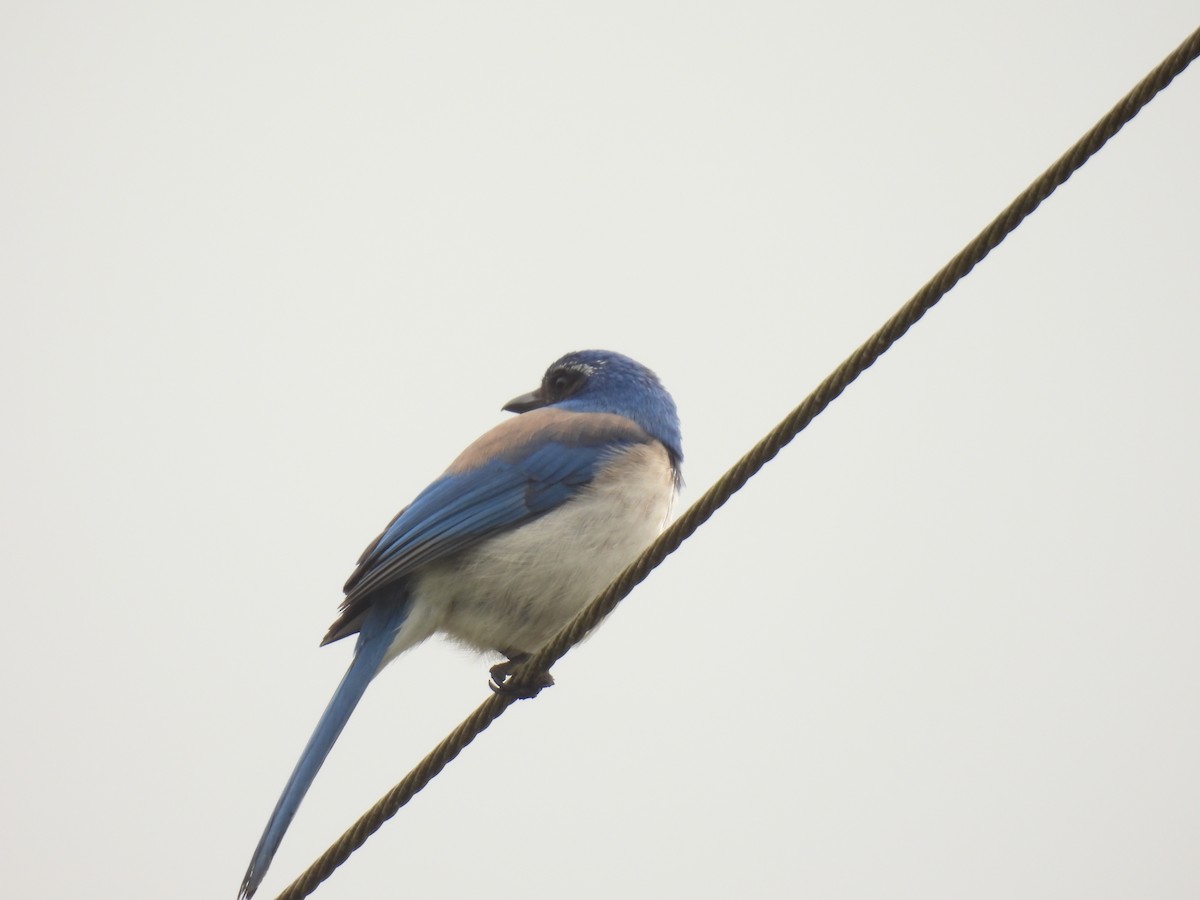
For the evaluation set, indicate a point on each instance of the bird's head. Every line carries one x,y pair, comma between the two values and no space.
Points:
604,381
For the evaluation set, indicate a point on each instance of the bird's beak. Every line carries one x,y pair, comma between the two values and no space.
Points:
526,402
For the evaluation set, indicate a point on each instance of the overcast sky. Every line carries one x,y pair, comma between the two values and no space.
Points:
268,267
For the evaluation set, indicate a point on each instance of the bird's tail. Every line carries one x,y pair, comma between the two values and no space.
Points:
379,628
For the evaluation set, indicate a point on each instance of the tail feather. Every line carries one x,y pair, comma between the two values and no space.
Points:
379,628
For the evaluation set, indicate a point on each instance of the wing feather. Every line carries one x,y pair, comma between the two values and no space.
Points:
518,471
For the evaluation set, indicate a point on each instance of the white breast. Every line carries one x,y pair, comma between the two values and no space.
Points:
514,591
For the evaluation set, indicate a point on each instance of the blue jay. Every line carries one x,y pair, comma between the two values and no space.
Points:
525,527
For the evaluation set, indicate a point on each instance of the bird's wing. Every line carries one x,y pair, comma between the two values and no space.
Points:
516,472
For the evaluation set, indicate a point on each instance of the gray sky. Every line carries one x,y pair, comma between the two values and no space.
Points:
268,267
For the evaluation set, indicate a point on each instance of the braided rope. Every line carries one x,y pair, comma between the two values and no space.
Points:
858,362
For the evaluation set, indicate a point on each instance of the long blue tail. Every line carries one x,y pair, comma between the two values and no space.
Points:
379,627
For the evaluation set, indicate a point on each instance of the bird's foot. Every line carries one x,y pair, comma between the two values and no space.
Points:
502,683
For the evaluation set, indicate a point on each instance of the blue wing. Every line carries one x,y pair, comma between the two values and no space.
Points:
520,470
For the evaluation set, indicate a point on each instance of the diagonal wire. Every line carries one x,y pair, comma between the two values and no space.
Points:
745,468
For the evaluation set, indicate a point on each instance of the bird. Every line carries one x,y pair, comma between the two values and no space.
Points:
527,525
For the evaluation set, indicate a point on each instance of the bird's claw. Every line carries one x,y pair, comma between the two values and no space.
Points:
501,681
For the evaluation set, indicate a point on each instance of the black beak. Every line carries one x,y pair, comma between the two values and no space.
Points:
526,402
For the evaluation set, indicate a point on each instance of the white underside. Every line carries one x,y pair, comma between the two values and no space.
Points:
512,592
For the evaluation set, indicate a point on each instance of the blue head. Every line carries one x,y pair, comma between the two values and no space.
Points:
603,381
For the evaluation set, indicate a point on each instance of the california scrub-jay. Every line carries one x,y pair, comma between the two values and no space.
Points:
529,523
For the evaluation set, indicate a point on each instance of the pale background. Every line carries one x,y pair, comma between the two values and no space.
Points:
267,267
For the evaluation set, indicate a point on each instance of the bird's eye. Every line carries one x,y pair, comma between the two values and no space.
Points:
562,383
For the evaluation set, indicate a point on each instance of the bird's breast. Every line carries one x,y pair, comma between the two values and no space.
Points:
513,591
